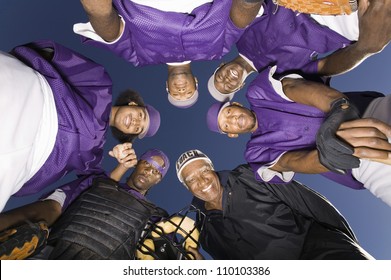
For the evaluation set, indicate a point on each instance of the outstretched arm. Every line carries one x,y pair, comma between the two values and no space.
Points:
46,210
375,34
301,162
243,12
104,18
310,93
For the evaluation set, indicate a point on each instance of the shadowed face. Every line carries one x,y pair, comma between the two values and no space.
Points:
235,119
146,175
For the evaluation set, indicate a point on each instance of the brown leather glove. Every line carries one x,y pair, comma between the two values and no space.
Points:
320,7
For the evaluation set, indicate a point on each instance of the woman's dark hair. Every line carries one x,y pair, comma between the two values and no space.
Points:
123,100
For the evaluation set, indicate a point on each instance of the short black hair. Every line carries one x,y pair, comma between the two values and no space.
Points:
124,99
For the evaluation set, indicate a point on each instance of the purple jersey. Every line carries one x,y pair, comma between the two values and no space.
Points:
283,126
152,36
290,40
82,94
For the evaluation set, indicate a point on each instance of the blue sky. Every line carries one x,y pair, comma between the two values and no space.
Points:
24,21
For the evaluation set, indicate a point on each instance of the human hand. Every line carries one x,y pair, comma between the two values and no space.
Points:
374,24
334,153
195,253
97,7
125,155
369,137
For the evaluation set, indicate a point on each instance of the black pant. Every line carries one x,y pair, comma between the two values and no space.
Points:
331,244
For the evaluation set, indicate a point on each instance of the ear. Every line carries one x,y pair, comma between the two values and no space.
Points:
168,91
132,103
232,135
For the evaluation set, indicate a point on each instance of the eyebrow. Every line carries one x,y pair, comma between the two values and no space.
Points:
192,174
144,118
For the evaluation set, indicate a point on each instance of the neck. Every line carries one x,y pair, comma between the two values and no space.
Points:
240,60
256,123
179,69
217,203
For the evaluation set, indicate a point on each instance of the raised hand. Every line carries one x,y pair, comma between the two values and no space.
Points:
369,137
125,155
375,25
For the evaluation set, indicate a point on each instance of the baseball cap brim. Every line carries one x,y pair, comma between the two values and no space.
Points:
148,121
184,103
212,116
151,115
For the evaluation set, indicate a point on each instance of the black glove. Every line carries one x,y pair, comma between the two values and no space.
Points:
335,153
20,242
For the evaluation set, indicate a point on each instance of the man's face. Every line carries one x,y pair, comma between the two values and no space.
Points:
181,86
235,119
229,77
201,180
146,175
131,119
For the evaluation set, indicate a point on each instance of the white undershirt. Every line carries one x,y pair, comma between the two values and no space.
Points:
28,124
345,25
178,63
179,6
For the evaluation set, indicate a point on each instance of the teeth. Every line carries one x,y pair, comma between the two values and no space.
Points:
207,189
234,73
127,121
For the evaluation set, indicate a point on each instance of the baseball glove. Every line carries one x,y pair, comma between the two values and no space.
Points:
335,153
320,7
22,241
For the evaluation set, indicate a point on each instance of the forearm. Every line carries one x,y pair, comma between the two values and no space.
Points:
301,162
118,172
343,60
310,93
47,210
103,18
374,18
243,12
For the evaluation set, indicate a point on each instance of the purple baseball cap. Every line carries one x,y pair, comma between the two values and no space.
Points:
147,156
213,114
153,122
